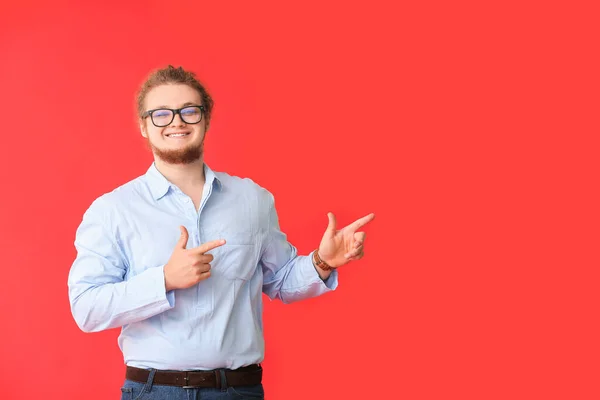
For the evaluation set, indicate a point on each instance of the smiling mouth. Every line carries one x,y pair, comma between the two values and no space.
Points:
177,135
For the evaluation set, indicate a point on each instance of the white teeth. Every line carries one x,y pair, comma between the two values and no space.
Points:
178,135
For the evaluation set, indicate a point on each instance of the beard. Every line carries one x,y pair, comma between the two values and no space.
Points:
187,155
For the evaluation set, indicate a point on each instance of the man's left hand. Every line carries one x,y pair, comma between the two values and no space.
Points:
338,247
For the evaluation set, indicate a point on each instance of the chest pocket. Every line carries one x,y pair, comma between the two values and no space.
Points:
238,257
234,261
237,223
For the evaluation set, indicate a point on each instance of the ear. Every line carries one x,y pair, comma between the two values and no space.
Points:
143,130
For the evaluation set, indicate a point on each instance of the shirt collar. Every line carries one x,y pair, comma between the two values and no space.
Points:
159,185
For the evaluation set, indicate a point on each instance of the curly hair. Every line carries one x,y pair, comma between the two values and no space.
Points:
172,75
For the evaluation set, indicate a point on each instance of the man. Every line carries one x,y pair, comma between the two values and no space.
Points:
179,259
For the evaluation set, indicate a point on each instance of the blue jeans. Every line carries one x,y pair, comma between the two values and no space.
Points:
148,391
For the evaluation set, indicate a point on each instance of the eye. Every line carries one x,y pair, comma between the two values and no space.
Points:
161,113
190,111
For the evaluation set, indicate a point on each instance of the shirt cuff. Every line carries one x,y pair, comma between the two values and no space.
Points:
158,289
310,270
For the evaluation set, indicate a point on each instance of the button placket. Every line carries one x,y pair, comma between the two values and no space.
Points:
187,203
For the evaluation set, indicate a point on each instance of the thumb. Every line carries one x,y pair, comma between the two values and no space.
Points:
183,239
332,223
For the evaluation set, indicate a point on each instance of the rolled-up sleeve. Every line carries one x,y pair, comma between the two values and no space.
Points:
287,275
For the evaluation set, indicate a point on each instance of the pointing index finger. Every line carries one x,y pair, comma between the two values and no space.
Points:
208,246
362,221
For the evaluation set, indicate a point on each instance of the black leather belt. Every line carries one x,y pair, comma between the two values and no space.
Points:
245,376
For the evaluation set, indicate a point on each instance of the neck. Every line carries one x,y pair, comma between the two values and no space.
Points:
184,176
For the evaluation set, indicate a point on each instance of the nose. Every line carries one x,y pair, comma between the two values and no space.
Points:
177,121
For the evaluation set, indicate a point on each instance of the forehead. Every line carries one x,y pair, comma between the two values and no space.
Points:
172,96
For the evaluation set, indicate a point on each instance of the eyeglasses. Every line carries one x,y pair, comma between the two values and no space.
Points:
162,117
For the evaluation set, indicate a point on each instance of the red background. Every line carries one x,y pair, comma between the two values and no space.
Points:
469,128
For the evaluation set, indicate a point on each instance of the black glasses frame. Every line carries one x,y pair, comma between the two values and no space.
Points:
174,111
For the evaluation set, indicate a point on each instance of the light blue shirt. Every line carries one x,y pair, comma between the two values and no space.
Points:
128,235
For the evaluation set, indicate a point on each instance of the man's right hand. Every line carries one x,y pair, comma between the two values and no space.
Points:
187,267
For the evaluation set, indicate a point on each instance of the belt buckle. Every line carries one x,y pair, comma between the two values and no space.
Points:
186,379
187,385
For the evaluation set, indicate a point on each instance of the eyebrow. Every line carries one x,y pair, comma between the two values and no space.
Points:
184,105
